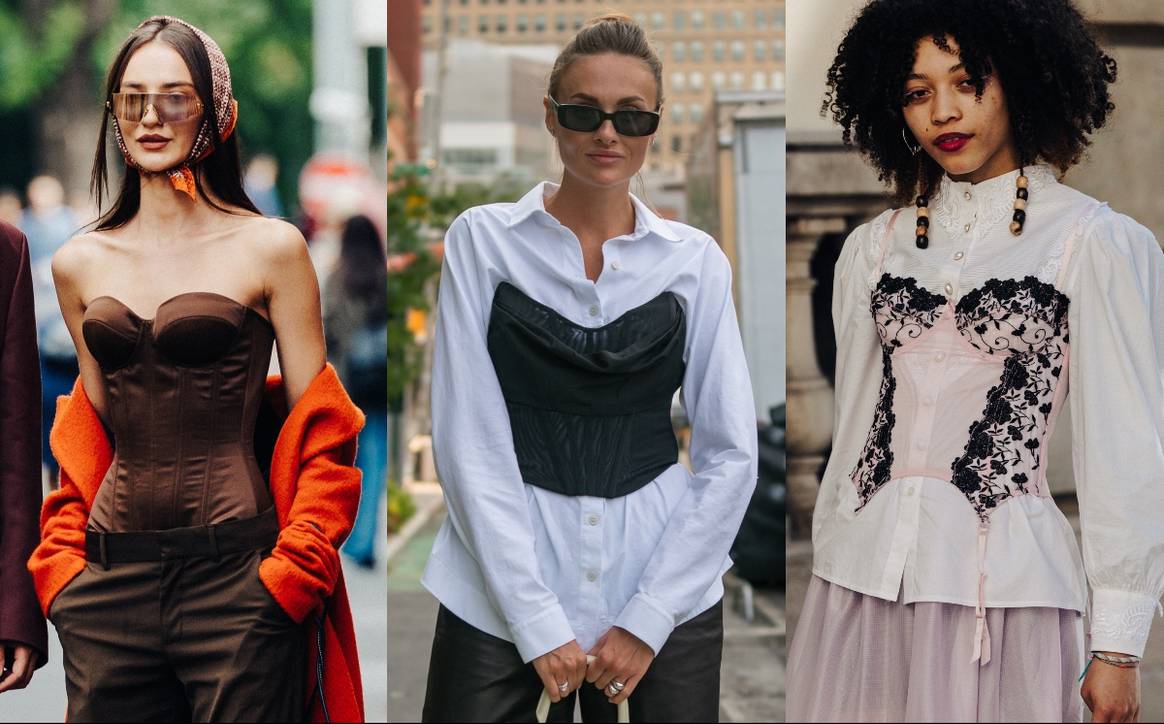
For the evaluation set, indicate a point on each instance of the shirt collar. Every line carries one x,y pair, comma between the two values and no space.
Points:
991,200
533,204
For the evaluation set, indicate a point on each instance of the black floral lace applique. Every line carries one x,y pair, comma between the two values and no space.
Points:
903,311
1010,315
1026,319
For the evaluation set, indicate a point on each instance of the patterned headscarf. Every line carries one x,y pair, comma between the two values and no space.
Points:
225,113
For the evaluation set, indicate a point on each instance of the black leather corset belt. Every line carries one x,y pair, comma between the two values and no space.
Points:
590,408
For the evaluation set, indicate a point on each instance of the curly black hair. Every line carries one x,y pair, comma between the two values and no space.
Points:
1052,70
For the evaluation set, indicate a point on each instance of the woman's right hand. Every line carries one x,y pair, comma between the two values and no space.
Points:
564,665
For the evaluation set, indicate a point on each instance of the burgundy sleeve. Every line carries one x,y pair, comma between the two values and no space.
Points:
20,475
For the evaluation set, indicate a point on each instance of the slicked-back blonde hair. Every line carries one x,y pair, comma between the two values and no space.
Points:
609,33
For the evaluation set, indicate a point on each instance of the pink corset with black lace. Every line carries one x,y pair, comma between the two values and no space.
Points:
990,365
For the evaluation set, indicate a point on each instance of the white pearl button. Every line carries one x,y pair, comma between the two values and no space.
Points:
940,356
594,311
949,288
616,265
592,520
909,491
967,195
958,256
591,576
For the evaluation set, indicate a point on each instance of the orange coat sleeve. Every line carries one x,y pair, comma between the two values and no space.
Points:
316,452
61,553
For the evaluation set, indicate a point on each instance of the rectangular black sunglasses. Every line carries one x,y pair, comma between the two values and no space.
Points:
589,118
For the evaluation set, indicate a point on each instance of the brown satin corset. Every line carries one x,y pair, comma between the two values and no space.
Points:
182,396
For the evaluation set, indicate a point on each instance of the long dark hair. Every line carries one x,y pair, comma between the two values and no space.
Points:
363,265
221,168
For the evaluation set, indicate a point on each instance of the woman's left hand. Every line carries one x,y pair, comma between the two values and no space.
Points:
1112,693
619,656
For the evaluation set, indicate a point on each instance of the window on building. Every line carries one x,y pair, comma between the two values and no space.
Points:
641,19
579,21
463,25
696,113
697,51
425,24
678,82
483,24
760,50
778,49
560,23
761,19
697,19
718,80
678,20
521,23
718,20
717,50
540,23
676,144
658,20
464,3
738,19
737,80
677,112
759,80
500,2
502,23
737,50
678,51
777,80
471,158
697,81
777,20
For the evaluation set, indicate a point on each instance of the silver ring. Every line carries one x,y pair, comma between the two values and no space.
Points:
618,685
610,690
564,687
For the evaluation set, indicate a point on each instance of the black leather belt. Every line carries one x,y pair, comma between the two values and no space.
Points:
203,541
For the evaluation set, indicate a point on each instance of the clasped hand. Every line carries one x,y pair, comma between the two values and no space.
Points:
618,656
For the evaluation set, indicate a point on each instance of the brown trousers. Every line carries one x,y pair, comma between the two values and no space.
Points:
190,639
474,676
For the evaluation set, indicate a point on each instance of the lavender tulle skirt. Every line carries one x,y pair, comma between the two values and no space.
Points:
859,658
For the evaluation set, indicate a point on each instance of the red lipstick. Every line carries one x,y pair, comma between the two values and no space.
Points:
952,142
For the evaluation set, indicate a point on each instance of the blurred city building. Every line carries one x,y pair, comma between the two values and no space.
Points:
492,119
404,64
735,192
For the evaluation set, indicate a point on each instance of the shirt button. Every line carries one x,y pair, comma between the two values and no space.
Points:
592,520
616,265
949,290
591,576
920,444
958,256
967,194
909,490
940,357
594,309
966,227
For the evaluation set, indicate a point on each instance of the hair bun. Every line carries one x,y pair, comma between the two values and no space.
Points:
611,17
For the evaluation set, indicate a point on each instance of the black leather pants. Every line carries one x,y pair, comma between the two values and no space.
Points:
473,676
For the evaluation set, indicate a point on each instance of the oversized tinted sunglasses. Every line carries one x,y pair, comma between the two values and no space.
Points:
589,118
168,107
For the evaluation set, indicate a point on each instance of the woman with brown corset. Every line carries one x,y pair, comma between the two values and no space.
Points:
174,301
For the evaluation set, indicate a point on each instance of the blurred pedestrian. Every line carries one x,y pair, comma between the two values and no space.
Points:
23,636
259,182
48,223
355,317
10,207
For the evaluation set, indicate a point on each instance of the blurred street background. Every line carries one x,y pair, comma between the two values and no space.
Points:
311,83
466,127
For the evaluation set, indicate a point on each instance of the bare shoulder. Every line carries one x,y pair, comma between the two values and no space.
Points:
277,241
81,252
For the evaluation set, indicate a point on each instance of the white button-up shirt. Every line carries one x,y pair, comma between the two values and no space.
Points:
918,534
539,568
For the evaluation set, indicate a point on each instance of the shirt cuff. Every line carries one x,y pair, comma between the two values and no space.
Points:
648,620
1120,621
542,633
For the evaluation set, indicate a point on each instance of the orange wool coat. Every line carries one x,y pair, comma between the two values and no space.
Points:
315,488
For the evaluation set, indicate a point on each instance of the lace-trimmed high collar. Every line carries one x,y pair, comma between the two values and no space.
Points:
958,203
